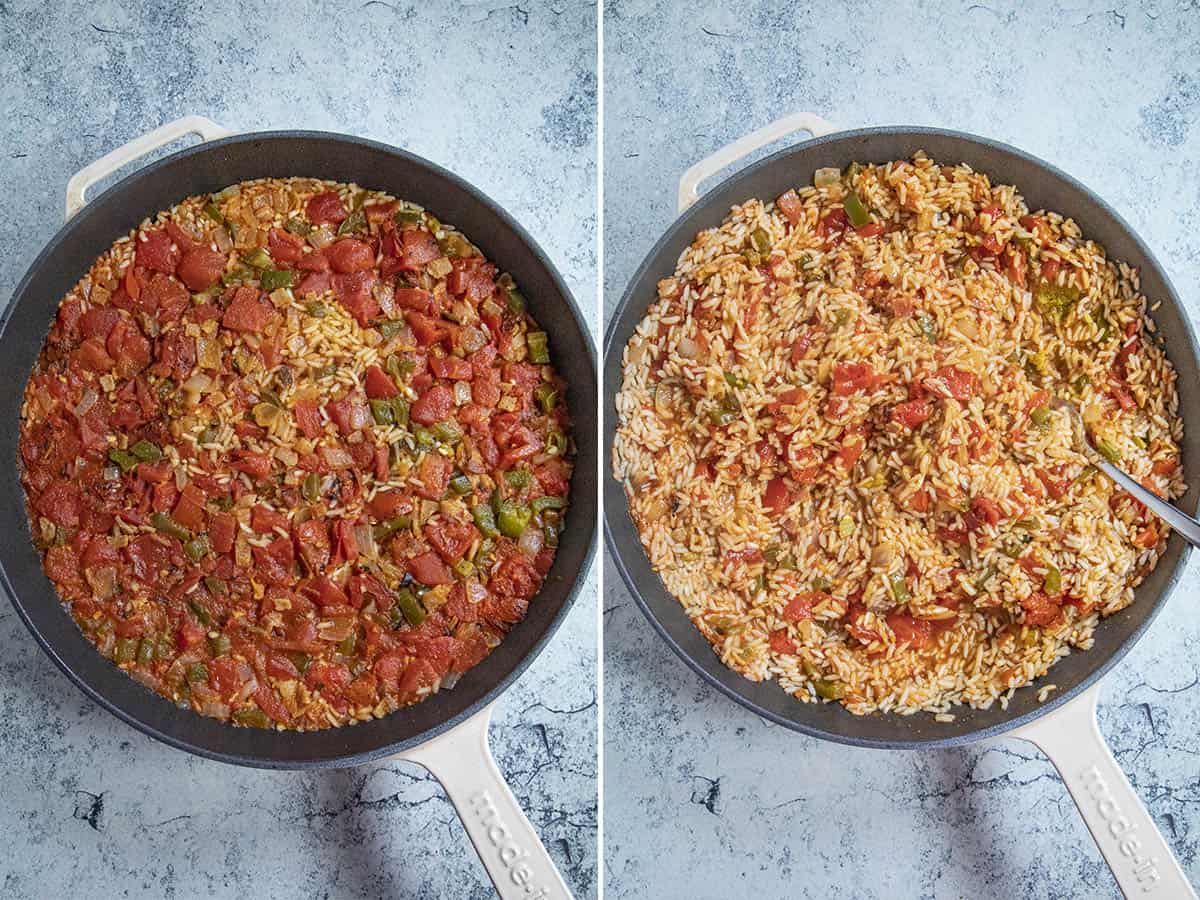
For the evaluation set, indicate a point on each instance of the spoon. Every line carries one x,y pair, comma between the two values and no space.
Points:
1188,527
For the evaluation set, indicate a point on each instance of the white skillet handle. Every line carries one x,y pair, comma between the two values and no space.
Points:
508,846
1140,858
731,153
83,179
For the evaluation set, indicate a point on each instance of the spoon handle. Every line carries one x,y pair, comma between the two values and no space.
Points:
1188,527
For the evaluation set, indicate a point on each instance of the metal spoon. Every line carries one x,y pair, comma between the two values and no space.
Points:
1188,527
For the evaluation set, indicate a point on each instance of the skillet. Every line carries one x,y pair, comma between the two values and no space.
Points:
446,733
1063,726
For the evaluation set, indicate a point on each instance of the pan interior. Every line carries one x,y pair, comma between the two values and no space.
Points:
209,168
1043,187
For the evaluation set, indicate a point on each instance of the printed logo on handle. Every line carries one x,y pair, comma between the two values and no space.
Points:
1145,868
512,855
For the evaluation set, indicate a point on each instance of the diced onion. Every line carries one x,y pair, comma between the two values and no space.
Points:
320,237
103,581
472,338
222,239
337,457
531,541
197,384
86,402
826,177
365,538
462,392
688,348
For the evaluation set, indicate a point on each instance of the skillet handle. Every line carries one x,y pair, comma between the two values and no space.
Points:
83,179
1141,860
731,153
515,858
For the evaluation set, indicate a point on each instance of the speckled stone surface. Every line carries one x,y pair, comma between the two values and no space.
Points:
89,805
704,799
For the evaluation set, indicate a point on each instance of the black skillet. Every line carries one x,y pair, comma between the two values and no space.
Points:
448,732
1064,729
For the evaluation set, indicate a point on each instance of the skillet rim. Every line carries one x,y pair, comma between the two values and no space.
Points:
621,536
581,498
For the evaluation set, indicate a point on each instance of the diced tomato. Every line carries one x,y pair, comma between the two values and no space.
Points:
1147,537
986,510
148,556
312,544
348,413
315,283
1050,269
276,561
98,321
189,510
345,544
451,538
415,299
910,632
256,465
870,230
285,248
163,497
911,413
833,224
1041,610
1014,266
379,384
308,417
222,527
190,634
247,312
60,503
800,607
781,643
433,476
777,496
354,291
364,589
429,569
165,297
326,209
789,204
417,248
954,382
327,594
270,703
418,676
850,378
1164,466
854,442
919,501
328,678
1122,395
1056,487
803,463
156,250
201,268
350,255
511,586
432,406
93,356
428,331
388,504
452,367
264,520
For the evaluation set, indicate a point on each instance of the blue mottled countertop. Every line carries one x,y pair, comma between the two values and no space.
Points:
87,799
705,799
